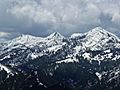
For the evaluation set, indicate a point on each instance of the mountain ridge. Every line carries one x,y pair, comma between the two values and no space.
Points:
27,39
84,60
97,39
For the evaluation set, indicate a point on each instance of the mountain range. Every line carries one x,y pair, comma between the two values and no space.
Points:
83,61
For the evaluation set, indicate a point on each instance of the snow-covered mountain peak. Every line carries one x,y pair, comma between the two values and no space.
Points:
28,39
98,38
98,31
54,39
25,39
55,35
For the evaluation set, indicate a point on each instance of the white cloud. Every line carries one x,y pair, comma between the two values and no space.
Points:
58,12
64,16
4,34
116,18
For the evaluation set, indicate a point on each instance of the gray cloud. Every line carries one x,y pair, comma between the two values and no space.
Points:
42,17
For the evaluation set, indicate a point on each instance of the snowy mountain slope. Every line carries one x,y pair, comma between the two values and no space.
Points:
85,45
99,38
29,40
94,55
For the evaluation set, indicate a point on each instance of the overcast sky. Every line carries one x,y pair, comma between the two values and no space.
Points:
42,17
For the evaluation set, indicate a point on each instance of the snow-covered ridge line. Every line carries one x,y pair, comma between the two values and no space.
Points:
93,39
33,39
57,34
96,44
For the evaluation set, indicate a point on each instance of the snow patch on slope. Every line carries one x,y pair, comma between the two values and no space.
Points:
75,35
99,75
68,60
2,67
